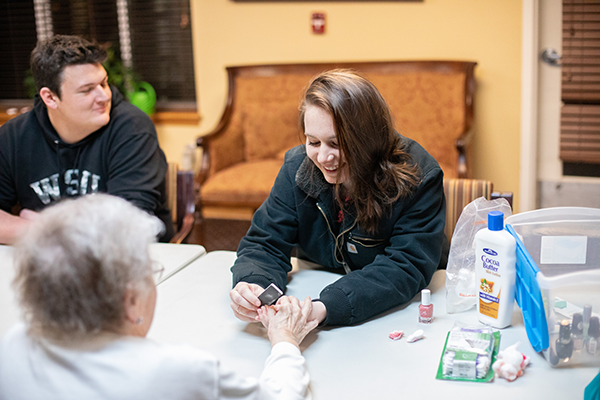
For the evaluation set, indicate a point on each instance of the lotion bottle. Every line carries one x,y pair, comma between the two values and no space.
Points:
495,267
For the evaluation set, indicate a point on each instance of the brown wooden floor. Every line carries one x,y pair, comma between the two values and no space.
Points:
218,234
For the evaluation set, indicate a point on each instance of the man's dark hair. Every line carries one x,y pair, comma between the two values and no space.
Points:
51,56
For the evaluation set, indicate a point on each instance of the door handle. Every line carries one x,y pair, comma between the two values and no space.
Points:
551,57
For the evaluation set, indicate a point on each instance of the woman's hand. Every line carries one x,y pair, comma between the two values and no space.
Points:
319,311
245,302
288,321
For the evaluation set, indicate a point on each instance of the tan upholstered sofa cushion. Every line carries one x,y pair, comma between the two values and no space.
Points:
269,128
245,184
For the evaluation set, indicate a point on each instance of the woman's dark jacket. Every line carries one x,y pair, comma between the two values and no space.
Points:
382,270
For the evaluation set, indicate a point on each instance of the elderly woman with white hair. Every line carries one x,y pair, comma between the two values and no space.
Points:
85,284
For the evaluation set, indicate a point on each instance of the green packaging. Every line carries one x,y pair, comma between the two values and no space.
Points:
468,354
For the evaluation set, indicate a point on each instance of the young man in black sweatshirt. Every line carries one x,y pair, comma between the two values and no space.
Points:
80,138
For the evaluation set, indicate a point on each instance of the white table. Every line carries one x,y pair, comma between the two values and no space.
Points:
173,257
358,362
9,310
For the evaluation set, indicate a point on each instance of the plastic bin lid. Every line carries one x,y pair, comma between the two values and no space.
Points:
529,297
552,214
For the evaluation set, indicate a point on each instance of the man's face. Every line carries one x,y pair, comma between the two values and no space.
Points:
84,104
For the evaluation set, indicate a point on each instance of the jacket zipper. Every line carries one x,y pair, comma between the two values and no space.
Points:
365,241
336,239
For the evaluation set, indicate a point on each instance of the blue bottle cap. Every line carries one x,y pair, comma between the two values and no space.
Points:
495,220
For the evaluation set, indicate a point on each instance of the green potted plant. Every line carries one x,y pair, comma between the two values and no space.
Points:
138,92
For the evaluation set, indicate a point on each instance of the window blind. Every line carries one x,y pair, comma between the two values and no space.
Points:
160,32
580,133
161,36
17,39
580,115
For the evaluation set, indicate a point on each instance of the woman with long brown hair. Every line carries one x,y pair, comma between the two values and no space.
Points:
358,198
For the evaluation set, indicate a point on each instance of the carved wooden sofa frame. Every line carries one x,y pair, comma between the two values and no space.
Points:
431,101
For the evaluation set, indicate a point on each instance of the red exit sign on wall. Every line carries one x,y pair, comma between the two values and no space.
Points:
318,23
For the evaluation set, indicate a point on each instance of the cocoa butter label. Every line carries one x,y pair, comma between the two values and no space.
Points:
489,264
488,303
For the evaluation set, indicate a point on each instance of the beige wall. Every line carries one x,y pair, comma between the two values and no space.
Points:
486,31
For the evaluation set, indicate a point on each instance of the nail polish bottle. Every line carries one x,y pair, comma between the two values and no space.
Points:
426,308
593,334
577,331
564,343
553,358
587,314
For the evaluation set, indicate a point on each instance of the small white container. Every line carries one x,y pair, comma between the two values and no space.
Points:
495,259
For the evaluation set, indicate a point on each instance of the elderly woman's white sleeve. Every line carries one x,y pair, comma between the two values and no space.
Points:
284,377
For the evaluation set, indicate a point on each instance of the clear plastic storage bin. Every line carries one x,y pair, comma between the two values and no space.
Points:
558,282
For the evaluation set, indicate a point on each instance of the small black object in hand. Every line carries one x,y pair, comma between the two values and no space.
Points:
270,295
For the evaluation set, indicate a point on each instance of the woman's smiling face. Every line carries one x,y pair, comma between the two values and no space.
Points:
322,146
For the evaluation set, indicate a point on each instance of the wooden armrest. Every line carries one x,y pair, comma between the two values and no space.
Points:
186,228
204,161
186,205
462,144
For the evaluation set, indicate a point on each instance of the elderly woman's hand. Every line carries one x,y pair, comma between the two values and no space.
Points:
288,320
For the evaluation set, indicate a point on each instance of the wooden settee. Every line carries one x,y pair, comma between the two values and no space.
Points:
430,101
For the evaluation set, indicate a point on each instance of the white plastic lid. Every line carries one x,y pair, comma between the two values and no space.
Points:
425,297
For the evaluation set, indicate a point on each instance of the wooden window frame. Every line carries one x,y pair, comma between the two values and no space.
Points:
171,110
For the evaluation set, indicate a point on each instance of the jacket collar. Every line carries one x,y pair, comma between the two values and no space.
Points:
310,179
